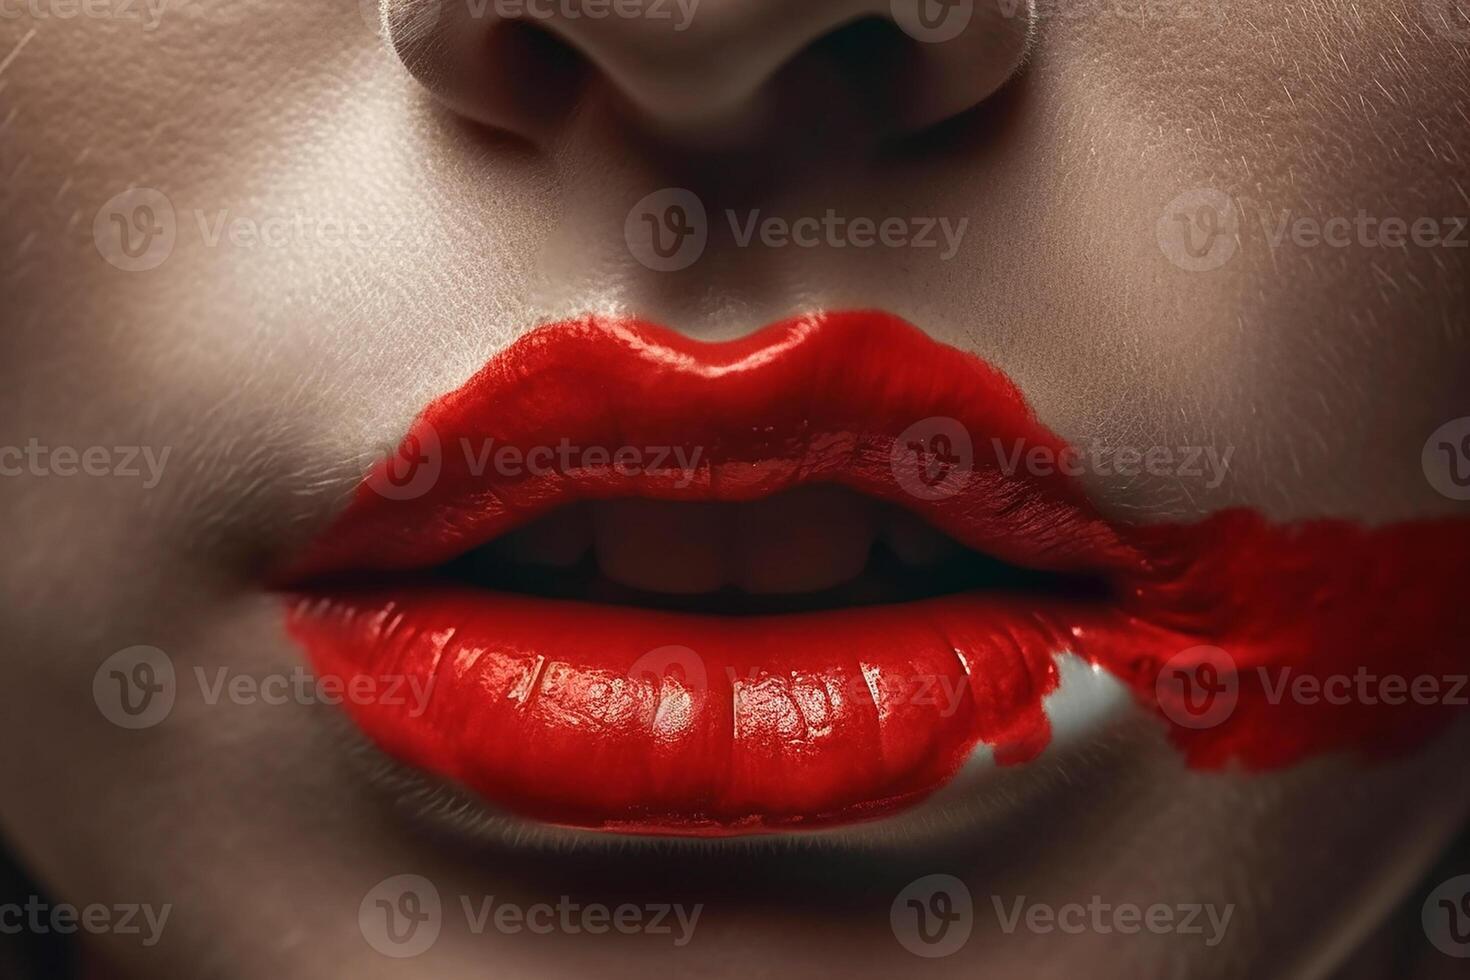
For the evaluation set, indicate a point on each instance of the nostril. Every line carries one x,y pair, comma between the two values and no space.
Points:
545,74
867,63
515,75
735,73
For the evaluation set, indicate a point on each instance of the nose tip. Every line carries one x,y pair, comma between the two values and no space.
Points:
699,66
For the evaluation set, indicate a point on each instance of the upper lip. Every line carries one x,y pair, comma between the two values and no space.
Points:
859,399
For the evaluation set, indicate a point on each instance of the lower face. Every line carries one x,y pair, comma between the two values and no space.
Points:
794,669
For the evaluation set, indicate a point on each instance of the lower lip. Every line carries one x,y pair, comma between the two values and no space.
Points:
642,722
639,721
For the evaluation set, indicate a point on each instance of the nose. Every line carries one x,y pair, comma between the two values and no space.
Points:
710,66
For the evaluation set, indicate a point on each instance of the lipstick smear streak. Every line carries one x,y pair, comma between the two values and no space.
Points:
641,721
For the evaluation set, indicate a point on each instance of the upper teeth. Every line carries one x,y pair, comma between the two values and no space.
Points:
804,540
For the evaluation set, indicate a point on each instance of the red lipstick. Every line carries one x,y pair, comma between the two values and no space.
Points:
644,721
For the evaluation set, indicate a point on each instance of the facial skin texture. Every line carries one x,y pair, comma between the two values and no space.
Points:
276,372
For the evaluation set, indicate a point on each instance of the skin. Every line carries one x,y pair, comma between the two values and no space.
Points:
275,373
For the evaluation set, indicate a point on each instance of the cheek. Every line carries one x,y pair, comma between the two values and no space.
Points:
1258,211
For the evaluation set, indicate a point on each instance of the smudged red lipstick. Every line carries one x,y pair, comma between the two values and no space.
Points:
621,717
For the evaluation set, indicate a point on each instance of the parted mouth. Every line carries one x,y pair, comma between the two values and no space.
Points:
816,547
797,580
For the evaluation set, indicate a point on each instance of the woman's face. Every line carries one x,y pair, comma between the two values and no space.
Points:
247,244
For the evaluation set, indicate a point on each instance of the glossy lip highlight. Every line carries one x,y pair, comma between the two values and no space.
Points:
637,721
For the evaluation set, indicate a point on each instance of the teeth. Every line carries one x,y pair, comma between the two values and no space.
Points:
660,547
806,540
914,542
559,540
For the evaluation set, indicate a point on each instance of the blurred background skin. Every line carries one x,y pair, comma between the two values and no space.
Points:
274,370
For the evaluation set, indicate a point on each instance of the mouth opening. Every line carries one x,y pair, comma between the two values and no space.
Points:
809,549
